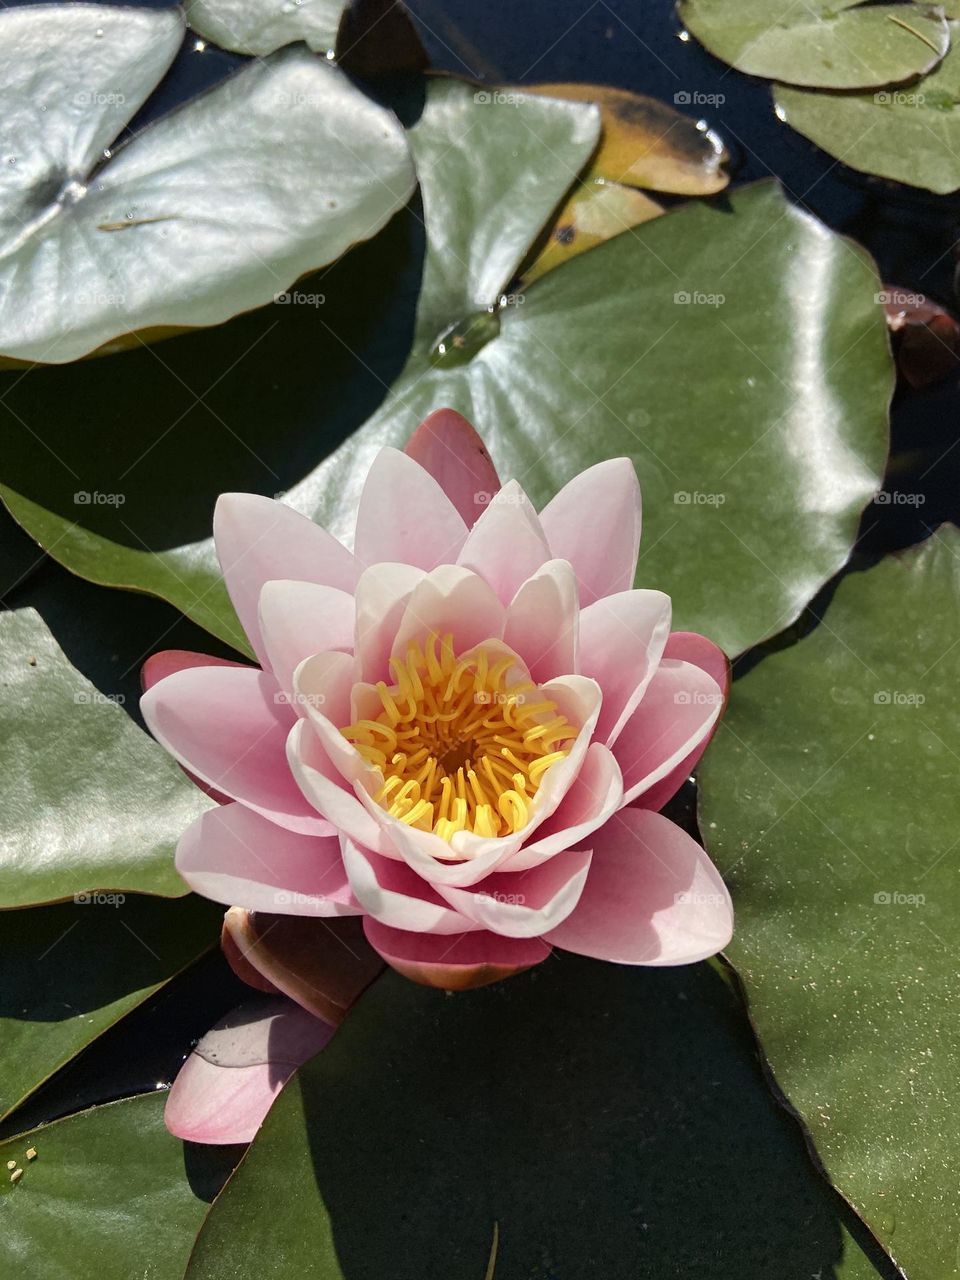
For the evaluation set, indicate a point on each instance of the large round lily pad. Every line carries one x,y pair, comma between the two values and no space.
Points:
212,210
597,1119
710,379
829,801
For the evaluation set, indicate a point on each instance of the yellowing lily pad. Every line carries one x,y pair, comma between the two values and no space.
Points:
824,44
596,211
200,215
646,143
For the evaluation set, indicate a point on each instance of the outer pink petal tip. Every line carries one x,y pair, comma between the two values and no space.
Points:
689,646
227,1085
653,897
446,445
454,963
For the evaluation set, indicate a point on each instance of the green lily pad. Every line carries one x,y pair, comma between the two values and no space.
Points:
188,576
538,1105
485,203
827,44
107,1194
89,801
829,801
589,364
72,970
198,216
911,134
737,355
259,27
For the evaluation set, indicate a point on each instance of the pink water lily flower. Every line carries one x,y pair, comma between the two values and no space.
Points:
461,731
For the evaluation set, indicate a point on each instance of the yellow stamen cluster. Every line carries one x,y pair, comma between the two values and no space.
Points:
459,748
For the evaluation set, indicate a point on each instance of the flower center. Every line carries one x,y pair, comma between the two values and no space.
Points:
460,748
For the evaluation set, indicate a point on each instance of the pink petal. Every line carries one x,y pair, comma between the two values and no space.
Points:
229,726
595,794
258,539
457,963
404,515
543,622
325,789
227,1085
446,445
506,545
389,891
381,598
594,522
239,963
324,965
298,619
621,641
160,665
652,897
679,709
688,646
322,687
235,856
451,600
525,904
579,699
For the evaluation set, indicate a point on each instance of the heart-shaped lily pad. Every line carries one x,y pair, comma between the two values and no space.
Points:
910,134
588,365
826,44
89,801
210,211
829,801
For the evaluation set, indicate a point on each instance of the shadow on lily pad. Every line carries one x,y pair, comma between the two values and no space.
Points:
613,1122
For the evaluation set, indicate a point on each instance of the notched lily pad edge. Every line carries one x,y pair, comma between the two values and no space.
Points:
783,1100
